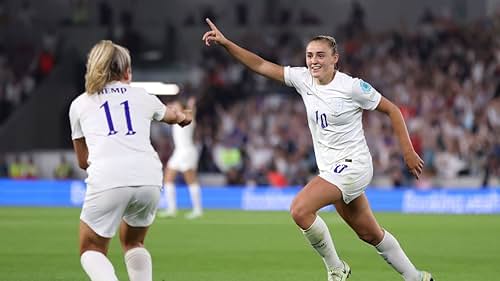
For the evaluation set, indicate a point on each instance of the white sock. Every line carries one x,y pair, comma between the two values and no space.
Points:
195,194
97,266
394,255
170,196
139,264
321,240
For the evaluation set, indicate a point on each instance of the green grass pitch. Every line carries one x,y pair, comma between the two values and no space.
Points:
40,244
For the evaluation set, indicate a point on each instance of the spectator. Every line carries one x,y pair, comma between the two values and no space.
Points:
30,169
64,169
16,169
4,168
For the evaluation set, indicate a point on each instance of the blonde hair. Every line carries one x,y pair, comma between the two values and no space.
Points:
106,62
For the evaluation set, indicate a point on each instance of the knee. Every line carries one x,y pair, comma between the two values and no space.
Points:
372,238
301,215
95,248
130,245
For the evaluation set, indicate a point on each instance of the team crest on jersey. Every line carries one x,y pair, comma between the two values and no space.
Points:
365,87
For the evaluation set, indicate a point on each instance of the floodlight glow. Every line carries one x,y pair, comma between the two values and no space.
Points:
158,88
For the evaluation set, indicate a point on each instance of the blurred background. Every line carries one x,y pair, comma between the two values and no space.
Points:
439,61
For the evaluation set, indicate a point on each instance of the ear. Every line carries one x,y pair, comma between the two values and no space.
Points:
336,58
128,74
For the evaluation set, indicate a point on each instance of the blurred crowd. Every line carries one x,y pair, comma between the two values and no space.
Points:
445,78
27,56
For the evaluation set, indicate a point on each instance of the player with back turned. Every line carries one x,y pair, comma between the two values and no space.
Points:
110,126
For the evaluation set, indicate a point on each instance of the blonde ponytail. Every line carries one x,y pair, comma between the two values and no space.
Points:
106,62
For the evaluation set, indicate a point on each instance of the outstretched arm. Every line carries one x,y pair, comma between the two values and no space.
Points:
414,163
249,59
173,116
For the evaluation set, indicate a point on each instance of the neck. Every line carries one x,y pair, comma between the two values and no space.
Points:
325,80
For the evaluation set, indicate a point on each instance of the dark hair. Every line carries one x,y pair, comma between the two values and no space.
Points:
328,39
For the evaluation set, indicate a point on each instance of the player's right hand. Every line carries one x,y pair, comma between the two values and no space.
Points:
213,35
188,118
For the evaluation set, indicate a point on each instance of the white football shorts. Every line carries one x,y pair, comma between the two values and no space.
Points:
183,159
103,211
351,176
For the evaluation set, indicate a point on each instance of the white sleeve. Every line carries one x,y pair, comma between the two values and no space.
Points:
293,76
74,119
364,95
158,108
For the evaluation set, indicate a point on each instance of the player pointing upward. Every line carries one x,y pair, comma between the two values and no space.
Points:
334,103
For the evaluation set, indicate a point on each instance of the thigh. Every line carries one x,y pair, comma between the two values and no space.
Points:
91,241
103,211
190,176
141,209
138,216
359,216
351,178
317,194
132,237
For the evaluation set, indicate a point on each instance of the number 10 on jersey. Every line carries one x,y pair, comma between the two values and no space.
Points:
111,126
321,119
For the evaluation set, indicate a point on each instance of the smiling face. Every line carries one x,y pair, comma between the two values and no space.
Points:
321,57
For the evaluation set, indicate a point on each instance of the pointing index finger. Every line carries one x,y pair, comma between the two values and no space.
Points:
211,24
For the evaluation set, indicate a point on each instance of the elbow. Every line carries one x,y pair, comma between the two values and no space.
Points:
393,110
83,165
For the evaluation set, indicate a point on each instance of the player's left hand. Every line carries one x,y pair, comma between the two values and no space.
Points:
414,163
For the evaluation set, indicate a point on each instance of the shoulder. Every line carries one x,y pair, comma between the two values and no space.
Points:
138,90
79,100
142,94
352,84
294,75
77,104
364,94
343,80
297,71
359,86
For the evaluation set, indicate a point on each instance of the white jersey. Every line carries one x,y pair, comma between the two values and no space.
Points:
183,136
185,155
116,126
334,114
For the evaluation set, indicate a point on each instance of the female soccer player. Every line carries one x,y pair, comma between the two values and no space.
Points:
110,126
184,159
334,103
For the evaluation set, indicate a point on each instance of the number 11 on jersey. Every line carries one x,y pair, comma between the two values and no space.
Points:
111,126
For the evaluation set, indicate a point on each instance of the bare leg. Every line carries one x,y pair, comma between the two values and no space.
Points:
137,258
359,216
170,192
194,192
315,195
93,250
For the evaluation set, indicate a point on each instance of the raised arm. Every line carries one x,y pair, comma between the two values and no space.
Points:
414,163
249,59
